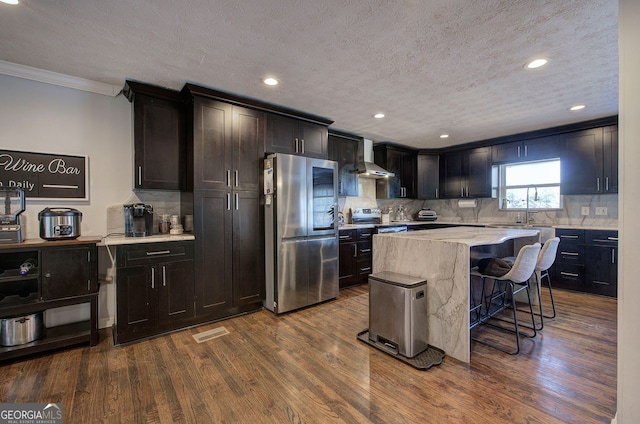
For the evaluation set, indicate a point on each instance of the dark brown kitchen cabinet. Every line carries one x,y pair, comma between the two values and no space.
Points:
159,136
60,279
589,164
228,145
428,171
568,268
527,150
355,256
344,149
296,137
402,162
466,173
65,274
154,289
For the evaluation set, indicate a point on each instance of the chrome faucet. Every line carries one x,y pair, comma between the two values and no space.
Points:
527,214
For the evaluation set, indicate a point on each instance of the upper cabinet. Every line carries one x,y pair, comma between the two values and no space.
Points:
466,173
159,136
344,149
589,164
428,176
520,151
402,162
296,137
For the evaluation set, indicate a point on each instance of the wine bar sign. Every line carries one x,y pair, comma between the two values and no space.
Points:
43,175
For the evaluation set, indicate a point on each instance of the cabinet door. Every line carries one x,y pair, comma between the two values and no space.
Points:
159,140
136,303
248,148
347,256
392,162
601,270
408,175
478,172
68,271
175,292
581,165
542,148
610,159
451,177
282,133
314,140
213,251
506,152
212,163
345,152
428,176
248,249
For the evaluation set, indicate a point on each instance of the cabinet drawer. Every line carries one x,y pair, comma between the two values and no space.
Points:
365,234
570,253
602,237
570,235
364,249
151,253
603,287
568,276
364,268
347,236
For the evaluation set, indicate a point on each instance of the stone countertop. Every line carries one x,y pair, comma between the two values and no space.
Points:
116,239
481,224
462,235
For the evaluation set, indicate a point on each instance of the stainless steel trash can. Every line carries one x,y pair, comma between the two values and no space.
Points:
398,312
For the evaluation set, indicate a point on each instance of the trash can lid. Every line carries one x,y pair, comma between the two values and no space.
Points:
397,279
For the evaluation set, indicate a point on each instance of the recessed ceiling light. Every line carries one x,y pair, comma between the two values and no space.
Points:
379,115
268,81
10,1
536,63
444,136
577,107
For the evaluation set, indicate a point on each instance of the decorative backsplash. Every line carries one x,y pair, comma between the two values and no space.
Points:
487,210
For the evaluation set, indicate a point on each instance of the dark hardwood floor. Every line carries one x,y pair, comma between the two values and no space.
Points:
308,367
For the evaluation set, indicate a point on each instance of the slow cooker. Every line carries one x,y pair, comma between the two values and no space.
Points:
59,223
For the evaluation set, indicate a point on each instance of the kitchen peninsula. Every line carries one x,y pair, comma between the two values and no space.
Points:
444,257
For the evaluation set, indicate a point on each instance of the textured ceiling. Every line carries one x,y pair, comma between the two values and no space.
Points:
453,66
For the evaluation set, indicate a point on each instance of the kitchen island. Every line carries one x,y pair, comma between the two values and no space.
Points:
443,257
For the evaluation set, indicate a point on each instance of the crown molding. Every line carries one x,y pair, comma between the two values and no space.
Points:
62,80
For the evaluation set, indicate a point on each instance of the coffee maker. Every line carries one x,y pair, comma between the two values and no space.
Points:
138,220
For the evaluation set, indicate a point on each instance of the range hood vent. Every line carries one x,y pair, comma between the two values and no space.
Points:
368,169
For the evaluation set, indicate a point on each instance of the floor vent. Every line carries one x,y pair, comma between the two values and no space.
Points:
210,334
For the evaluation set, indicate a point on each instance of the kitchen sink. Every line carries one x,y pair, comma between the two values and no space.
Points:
546,232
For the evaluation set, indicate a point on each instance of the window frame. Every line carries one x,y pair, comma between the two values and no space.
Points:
502,187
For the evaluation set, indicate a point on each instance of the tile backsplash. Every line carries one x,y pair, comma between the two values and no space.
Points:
487,210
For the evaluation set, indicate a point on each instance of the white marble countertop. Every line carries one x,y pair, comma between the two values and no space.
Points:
484,224
463,235
115,239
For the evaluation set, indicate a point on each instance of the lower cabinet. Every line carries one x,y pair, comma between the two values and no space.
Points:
587,261
154,289
355,256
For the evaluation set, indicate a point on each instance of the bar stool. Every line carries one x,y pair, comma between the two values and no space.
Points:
519,275
546,258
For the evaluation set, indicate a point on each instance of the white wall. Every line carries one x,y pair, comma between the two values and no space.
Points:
46,118
629,287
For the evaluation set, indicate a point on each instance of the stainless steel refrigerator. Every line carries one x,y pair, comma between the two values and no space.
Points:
301,231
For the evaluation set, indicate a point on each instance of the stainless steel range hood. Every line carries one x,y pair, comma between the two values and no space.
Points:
368,169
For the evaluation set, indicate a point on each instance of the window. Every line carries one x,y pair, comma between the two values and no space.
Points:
530,185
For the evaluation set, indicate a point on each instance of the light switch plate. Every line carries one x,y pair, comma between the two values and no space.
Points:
601,211
585,210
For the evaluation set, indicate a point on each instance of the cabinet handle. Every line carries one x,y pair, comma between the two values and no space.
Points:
604,241
355,251
461,191
88,285
236,178
164,276
228,178
569,253
237,201
526,152
365,250
598,184
344,237
228,201
612,238
89,256
467,191
613,256
297,144
365,235
436,193
606,183
518,151
139,175
302,144
569,274
569,237
159,252
153,278
603,283
365,269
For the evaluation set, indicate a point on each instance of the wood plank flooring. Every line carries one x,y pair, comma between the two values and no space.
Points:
308,367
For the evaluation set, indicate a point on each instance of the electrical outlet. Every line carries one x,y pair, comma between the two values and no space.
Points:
601,211
585,210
